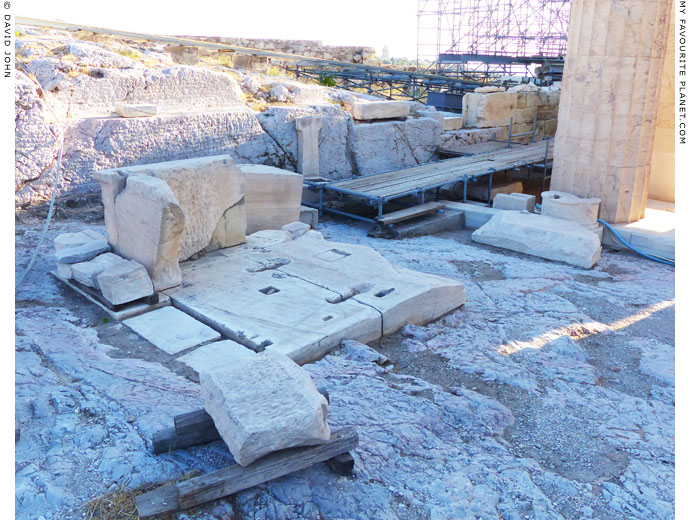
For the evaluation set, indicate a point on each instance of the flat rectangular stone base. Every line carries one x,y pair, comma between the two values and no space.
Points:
303,297
128,310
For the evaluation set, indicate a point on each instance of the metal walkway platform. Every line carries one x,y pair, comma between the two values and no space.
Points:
380,189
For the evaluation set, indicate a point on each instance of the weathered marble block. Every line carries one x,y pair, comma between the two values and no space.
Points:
124,282
379,110
150,223
515,202
264,403
82,252
539,235
209,191
566,206
272,196
86,272
135,110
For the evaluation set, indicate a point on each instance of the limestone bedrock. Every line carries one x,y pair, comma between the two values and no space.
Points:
205,188
272,196
264,403
539,235
150,223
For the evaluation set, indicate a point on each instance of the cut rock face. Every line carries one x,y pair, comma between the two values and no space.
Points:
272,196
538,235
150,223
264,403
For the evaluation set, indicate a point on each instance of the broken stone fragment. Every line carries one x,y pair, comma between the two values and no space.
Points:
112,183
309,216
65,240
296,229
82,253
264,403
205,188
489,89
135,110
150,223
124,282
380,110
86,272
539,235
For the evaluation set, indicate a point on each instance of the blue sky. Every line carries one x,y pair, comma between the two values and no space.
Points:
352,22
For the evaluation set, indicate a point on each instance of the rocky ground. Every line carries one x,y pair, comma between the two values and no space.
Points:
549,395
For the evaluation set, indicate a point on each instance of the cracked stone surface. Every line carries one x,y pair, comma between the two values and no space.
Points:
550,395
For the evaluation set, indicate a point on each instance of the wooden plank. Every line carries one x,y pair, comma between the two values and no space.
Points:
236,478
168,440
408,213
198,419
161,500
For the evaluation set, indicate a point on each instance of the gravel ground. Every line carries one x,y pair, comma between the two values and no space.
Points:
549,395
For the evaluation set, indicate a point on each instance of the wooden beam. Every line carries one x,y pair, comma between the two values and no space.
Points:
408,213
235,478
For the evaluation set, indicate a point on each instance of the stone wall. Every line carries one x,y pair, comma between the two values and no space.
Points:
310,48
96,139
494,110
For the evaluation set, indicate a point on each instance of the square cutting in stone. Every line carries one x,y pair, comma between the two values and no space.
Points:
171,330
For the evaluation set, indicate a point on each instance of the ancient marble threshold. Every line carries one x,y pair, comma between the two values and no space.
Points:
301,297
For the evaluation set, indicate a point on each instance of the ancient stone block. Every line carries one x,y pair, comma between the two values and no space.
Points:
308,145
64,271
515,201
82,252
215,356
539,235
272,196
171,330
264,403
112,183
309,215
65,240
567,206
86,272
124,282
379,110
205,189
150,223
486,110
140,110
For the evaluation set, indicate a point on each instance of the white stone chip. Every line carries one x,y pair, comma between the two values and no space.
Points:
171,330
264,403
515,202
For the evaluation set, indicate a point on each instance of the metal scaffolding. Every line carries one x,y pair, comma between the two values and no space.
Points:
489,38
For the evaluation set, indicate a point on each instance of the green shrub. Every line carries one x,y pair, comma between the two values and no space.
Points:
327,81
